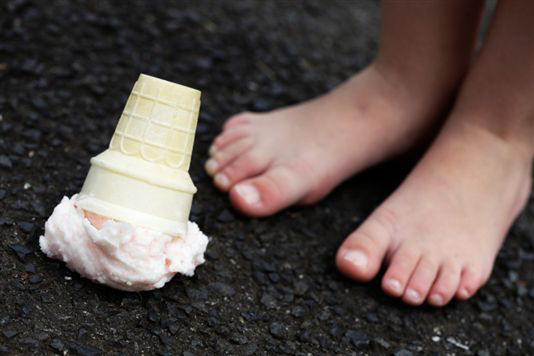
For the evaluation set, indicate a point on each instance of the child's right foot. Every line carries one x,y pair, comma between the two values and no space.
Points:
299,154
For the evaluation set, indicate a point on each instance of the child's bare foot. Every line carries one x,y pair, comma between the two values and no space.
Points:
442,228
299,154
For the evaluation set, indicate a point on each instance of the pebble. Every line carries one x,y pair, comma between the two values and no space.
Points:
4,220
84,350
26,227
222,289
298,311
249,349
403,352
38,208
278,330
35,279
29,342
261,278
32,134
301,288
9,333
204,63
238,339
5,162
261,104
45,297
382,342
226,216
457,343
268,301
165,340
42,336
357,338
26,309
154,317
20,250
197,293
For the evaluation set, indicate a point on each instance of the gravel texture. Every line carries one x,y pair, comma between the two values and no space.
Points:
269,285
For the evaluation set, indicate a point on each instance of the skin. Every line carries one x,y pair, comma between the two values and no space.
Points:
440,231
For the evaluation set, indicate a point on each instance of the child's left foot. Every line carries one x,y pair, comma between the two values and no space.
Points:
441,230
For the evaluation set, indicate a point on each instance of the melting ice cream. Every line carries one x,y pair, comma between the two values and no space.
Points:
119,254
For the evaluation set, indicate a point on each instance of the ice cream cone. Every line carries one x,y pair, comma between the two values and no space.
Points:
142,178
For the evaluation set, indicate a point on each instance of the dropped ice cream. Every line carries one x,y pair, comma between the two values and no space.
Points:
128,227
120,254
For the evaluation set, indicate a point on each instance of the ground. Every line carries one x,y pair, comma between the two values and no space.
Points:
269,286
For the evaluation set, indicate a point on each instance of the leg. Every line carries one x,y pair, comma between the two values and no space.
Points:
442,228
298,154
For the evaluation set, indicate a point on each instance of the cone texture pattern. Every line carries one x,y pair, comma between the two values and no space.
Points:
158,123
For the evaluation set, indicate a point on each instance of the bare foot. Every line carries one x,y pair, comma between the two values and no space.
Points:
442,228
300,153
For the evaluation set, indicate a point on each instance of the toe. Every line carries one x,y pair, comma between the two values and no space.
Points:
247,165
361,254
400,270
228,137
470,282
267,193
238,119
226,155
445,286
421,281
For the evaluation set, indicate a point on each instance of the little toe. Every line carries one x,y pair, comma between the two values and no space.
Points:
361,254
421,281
238,119
445,285
249,164
267,193
401,268
470,282
223,157
228,137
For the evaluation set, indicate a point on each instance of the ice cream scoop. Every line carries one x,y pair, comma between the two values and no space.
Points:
138,192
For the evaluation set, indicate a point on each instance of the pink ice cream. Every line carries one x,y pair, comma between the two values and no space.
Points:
120,255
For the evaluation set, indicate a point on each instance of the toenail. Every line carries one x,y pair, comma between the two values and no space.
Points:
412,295
211,166
212,150
356,257
436,299
221,180
464,293
394,285
249,194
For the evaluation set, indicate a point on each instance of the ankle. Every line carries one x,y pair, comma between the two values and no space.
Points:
434,85
479,128
511,127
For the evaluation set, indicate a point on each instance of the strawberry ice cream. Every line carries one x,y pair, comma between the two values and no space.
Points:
120,255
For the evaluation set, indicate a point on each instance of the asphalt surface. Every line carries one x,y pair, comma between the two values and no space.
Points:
269,286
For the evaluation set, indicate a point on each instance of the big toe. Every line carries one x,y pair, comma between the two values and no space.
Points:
267,193
361,254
